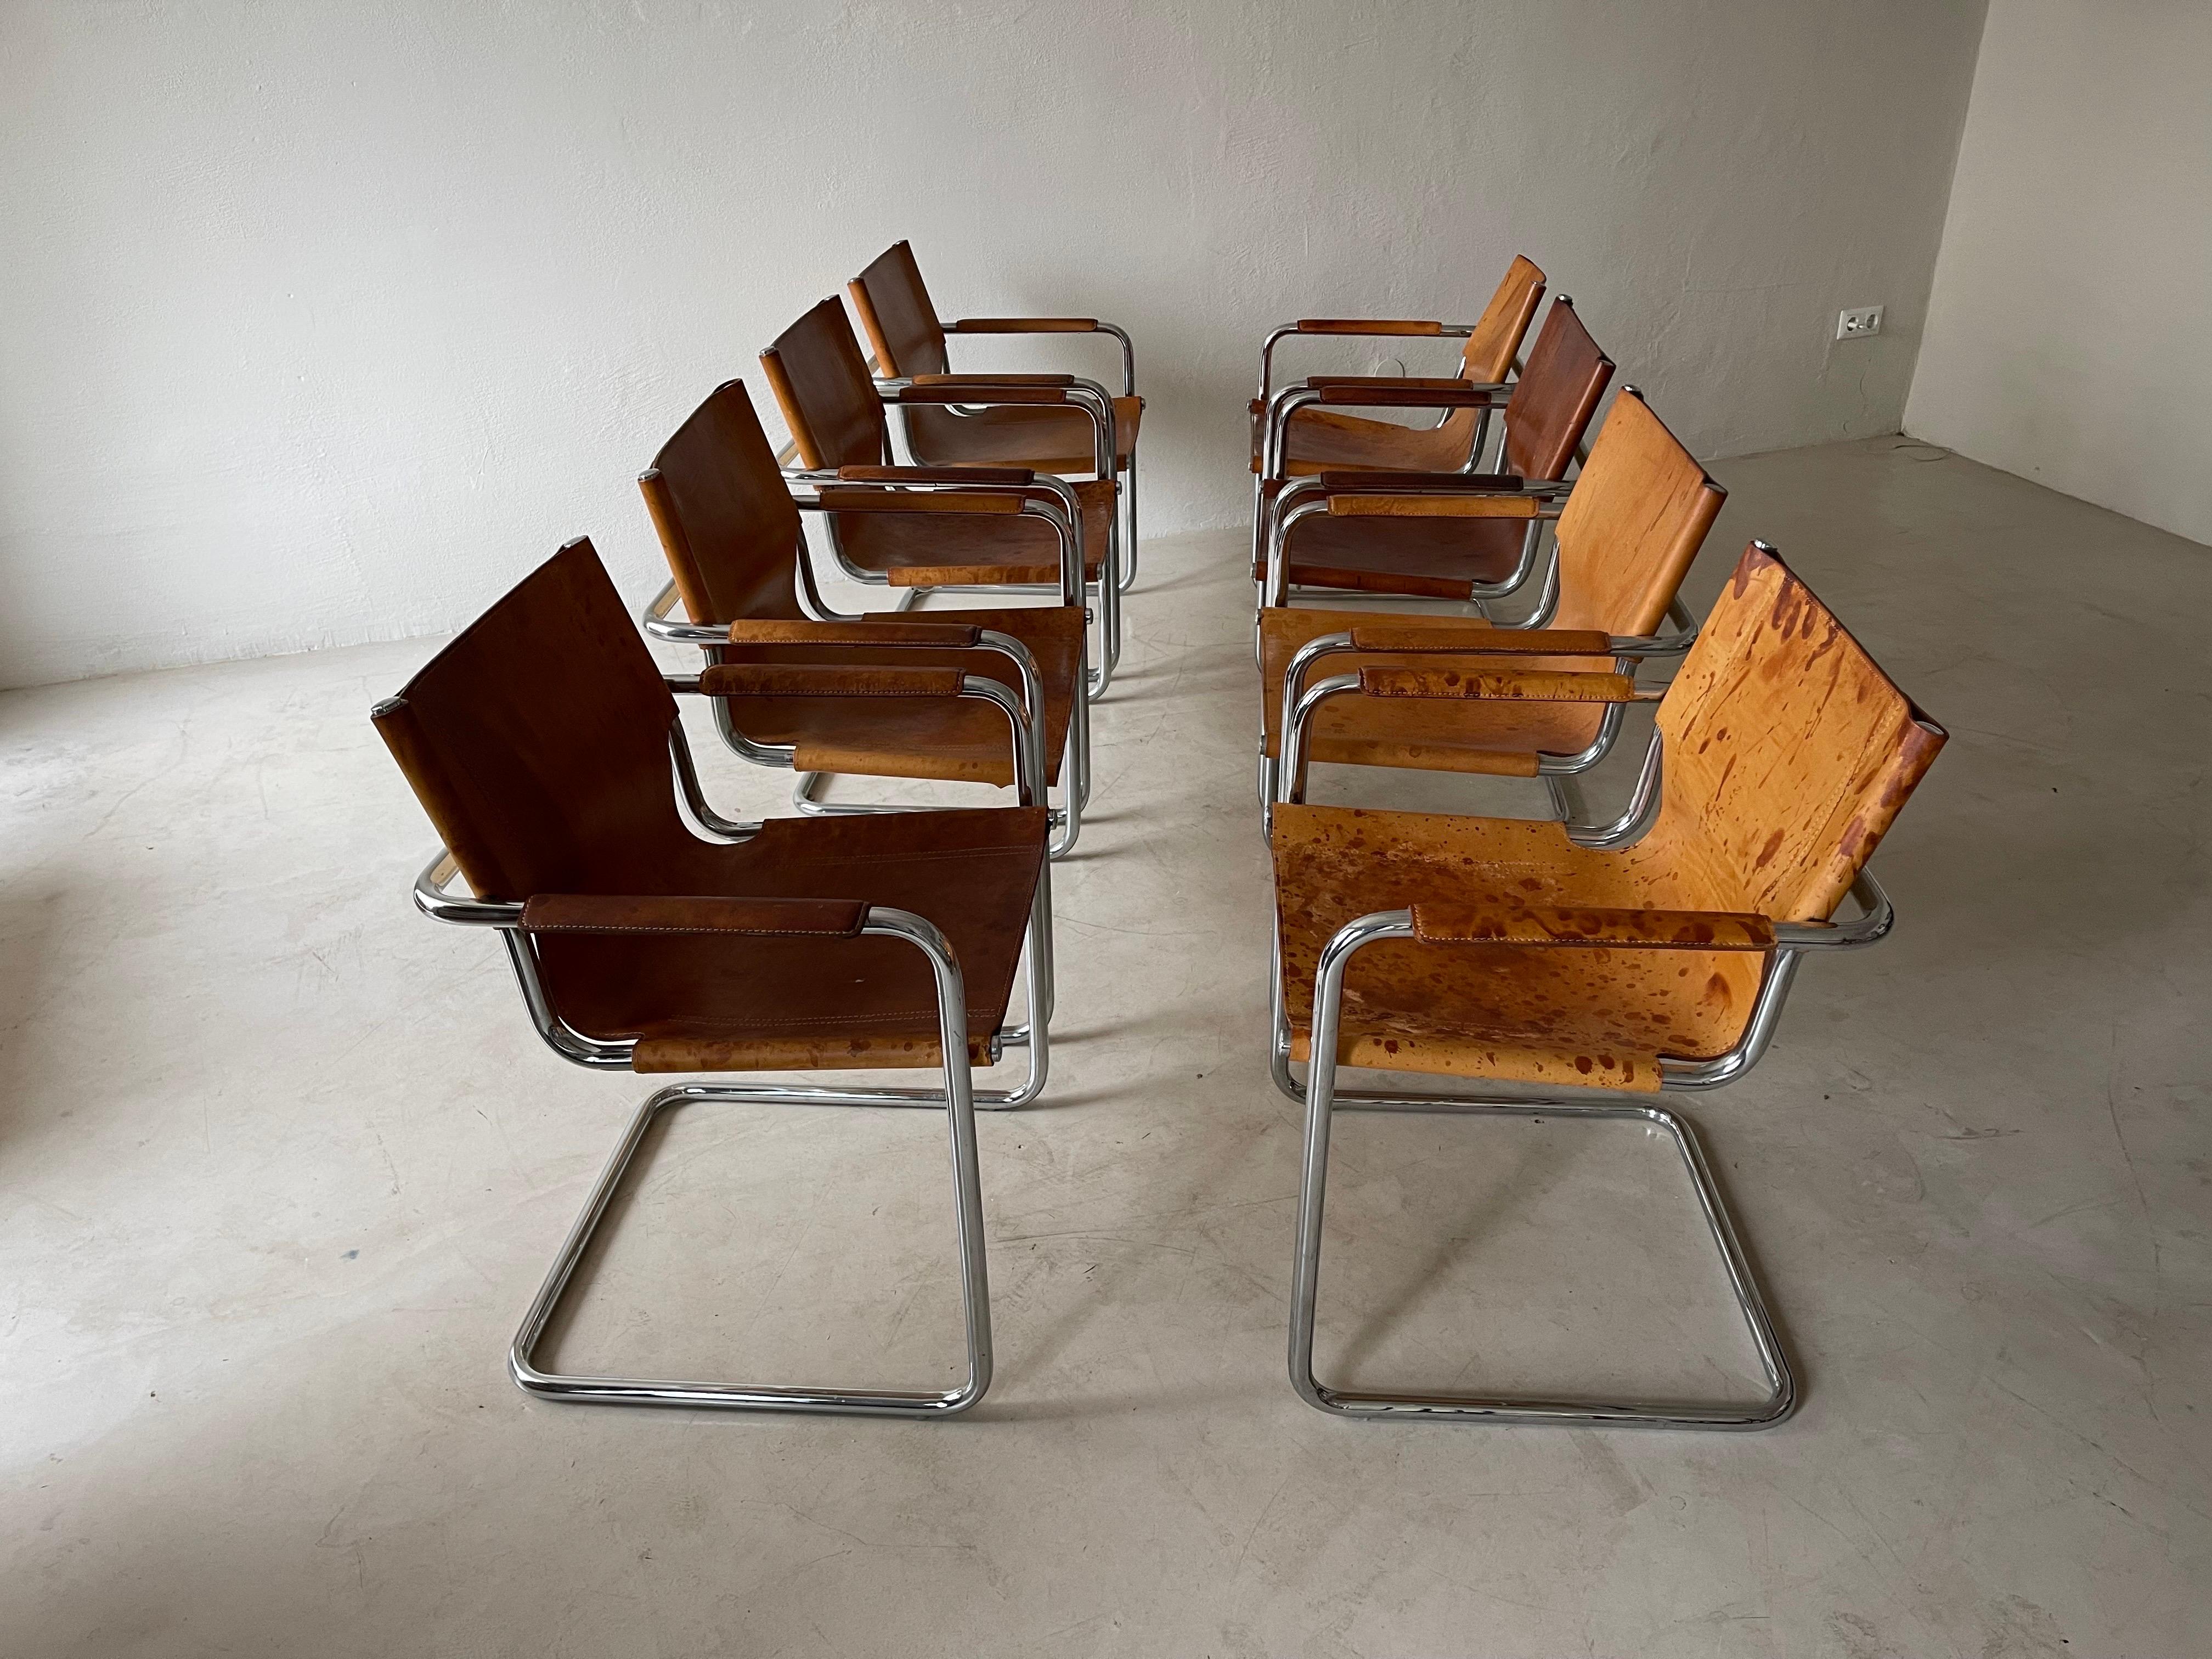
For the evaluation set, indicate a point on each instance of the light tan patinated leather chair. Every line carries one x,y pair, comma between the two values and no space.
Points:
540,742
1470,552
737,555
1319,438
1503,952
835,414
1630,531
908,338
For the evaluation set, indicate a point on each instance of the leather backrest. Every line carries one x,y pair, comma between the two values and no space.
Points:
895,308
822,384
1788,750
726,520
538,741
1556,396
1639,512
1504,323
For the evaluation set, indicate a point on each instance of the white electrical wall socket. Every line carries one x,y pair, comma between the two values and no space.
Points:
1858,322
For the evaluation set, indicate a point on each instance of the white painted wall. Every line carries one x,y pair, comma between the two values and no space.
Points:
325,321
2069,336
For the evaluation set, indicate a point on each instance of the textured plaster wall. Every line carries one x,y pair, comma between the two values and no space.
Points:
325,321
2069,334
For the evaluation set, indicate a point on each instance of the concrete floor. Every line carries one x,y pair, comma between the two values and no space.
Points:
281,1165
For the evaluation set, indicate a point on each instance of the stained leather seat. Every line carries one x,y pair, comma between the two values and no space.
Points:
1788,753
1638,515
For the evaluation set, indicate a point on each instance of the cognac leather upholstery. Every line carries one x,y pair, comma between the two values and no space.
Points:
1549,409
733,540
1787,755
1638,515
830,403
908,338
538,742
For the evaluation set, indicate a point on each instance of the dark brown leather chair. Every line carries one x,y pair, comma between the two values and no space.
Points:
909,340
835,414
737,556
1468,552
1505,952
540,742
1630,531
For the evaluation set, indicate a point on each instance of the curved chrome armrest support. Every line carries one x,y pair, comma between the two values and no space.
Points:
1876,917
432,899
1287,330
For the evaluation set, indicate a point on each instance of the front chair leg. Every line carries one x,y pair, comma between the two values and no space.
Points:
1322,1100
958,1102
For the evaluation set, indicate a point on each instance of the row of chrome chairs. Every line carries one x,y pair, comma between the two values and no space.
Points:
651,933
1569,968
1566,971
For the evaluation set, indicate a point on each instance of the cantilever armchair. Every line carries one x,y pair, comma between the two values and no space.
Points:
1628,534
835,414
1517,953
1320,438
736,554
908,338
1472,552
541,742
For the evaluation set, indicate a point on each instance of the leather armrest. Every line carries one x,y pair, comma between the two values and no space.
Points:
1530,685
1393,392
1400,640
981,380
970,575
1024,325
1509,923
1367,326
758,679
760,918
1465,505
951,475
981,392
952,636
840,499
1470,482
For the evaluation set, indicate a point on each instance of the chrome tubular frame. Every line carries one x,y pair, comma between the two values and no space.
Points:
958,1098
1321,1099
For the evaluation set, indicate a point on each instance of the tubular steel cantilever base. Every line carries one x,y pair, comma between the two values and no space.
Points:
762,1397
1781,1398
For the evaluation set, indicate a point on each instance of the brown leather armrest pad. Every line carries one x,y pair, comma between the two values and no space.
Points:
952,475
1529,686
970,575
841,500
1482,642
983,391
1462,481
1407,394
1432,507
1022,325
770,918
942,635
1508,923
1369,325
755,679
979,381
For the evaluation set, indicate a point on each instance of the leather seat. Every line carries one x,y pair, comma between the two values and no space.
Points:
910,338
1788,753
1630,529
733,540
957,549
538,741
